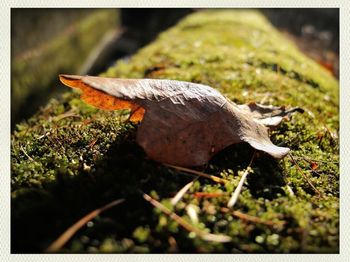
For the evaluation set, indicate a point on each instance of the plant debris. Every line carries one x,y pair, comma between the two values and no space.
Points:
202,234
183,123
63,239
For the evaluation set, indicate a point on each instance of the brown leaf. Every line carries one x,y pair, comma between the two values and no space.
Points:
183,124
269,116
313,165
102,100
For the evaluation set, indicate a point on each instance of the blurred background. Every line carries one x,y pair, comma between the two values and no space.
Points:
47,42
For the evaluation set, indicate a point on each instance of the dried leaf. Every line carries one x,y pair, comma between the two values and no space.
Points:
183,124
313,165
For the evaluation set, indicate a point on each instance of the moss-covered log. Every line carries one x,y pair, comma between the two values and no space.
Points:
51,49
71,158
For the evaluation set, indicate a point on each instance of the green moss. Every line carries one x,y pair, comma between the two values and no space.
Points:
70,158
34,72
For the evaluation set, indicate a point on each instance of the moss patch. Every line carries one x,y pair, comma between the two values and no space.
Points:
70,158
34,71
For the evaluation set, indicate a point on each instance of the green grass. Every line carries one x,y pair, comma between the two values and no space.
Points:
66,165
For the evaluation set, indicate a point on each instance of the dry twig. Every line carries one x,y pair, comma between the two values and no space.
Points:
252,219
237,191
209,194
62,239
182,192
191,171
24,152
69,113
204,235
304,176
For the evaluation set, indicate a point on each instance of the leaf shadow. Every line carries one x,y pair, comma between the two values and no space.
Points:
268,177
40,215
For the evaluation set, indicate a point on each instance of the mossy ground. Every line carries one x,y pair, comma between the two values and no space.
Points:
70,158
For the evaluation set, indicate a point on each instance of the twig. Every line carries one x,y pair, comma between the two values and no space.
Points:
307,159
191,171
182,192
290,191
238,190
252,219
91,145
262,101
62,239
42,136
333,138
65,115
209,194
204,235
305,177
192,212
173,244
24,152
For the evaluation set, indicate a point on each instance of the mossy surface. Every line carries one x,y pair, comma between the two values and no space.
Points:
71,158
34,71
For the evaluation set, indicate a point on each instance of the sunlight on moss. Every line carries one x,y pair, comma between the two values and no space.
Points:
240,54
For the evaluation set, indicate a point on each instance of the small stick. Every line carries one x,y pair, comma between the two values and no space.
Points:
173,244
290,191
65,115
24,152
191,171
315,160
305,177
238,190
262,101
182,192
204,235
209,194
252,218
329,131
91,145
62,239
